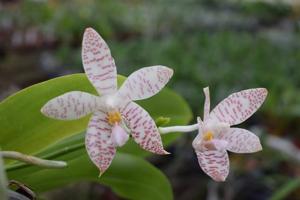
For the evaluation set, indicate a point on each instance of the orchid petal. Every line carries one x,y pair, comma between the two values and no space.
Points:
143,128
71,105
239,106
98,142
242,141
206,103
145,82
98,63
214,163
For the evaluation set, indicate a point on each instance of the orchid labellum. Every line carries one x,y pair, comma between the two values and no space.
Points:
216,135
115,115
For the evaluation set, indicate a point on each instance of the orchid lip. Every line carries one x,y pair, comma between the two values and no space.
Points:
119,136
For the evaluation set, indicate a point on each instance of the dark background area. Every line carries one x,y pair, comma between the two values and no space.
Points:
228,45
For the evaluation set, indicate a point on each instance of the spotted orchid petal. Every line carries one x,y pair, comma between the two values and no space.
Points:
70,106
143,128
98,142
242,141
145,83
239,106
98,63
214,163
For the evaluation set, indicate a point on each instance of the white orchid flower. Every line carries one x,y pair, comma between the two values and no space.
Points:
115,115
215,135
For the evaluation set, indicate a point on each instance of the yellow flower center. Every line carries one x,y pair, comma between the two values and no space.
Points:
114,117
208,136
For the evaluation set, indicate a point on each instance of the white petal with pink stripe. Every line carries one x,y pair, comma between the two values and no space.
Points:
239,106
214,163
145,82
98,63
98,141
242,141
70,106
143,128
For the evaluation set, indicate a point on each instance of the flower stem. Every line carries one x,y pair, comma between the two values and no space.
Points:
172,129
32,160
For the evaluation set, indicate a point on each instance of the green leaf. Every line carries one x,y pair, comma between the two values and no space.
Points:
23,128
129,176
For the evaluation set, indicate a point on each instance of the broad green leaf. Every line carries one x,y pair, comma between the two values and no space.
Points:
129,176
23,128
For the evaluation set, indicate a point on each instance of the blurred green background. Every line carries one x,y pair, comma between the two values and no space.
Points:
228,45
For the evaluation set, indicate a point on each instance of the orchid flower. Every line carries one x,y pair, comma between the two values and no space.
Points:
115,115
215,134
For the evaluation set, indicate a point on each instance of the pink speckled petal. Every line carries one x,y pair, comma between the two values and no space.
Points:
143,128
214,163
206,103
239,106
98,141
70,106
145,82
98,63
242,141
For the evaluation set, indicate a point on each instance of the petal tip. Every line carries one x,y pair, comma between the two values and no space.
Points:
166,152
88,29
167,70
170,71
206,91
219,179
44,111
263,91
206,88
101,172
259,147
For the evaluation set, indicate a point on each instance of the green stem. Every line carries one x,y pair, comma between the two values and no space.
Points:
32,160
3,181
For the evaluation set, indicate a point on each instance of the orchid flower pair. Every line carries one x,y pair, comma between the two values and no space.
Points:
115,115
